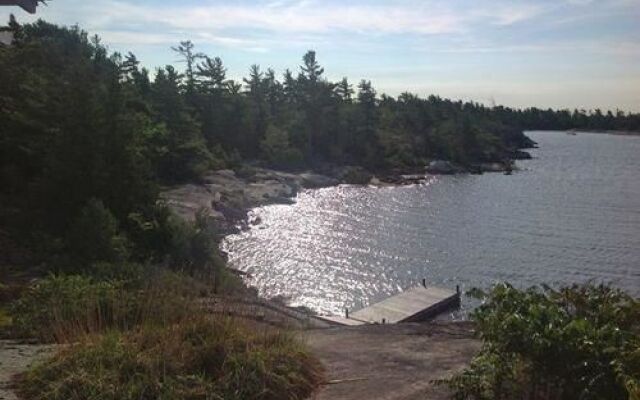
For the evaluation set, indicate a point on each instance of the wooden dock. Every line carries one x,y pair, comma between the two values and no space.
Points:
419,303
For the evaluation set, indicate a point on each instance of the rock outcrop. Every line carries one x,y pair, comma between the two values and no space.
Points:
225,196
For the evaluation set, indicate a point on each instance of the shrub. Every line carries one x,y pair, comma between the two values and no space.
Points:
192,247
580,342
199,358
193,250
94,236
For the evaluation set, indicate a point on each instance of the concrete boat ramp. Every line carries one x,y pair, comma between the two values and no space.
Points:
419,303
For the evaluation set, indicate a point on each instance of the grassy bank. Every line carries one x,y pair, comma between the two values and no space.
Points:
129,340
196,358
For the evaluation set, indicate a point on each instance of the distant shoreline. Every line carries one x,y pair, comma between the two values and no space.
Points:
607,132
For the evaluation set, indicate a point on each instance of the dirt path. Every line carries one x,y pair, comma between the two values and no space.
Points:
15,358
391,362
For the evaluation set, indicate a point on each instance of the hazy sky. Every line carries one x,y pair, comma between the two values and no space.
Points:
545,53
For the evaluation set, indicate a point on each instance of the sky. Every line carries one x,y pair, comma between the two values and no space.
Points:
519,53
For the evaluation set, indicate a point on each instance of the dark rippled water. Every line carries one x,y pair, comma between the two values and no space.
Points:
571,214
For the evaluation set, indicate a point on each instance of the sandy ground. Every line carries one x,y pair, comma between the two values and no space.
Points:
15,358
391,361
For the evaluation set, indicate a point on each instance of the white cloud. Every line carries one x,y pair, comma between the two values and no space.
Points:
122,20
299,17
402,37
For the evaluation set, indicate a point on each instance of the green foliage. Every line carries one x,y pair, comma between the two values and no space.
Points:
64,308
56,303
199,358
93,236
580,342
130,275
278,150
73,130
192,247
180,151
88,137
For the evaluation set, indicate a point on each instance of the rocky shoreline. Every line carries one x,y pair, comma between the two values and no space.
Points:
607,132
226,196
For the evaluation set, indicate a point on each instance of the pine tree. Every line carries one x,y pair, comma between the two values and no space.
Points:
212,74
189,57
344,90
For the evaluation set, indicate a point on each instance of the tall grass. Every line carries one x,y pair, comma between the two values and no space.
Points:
62,309
200,357
155,341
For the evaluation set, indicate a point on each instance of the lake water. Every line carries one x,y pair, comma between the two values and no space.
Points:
571,214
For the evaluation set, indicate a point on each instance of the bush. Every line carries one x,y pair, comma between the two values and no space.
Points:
184,247
94,236
193,250
193,247
199,358
581,342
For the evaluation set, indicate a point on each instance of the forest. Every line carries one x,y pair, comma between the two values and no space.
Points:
89,134
89,256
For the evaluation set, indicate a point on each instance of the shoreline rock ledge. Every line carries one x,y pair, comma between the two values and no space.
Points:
226,196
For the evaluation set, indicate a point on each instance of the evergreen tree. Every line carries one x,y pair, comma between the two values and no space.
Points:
80,127
344,90
181,151
189,57
212,75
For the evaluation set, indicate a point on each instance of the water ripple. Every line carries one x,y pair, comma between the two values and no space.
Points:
571,214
